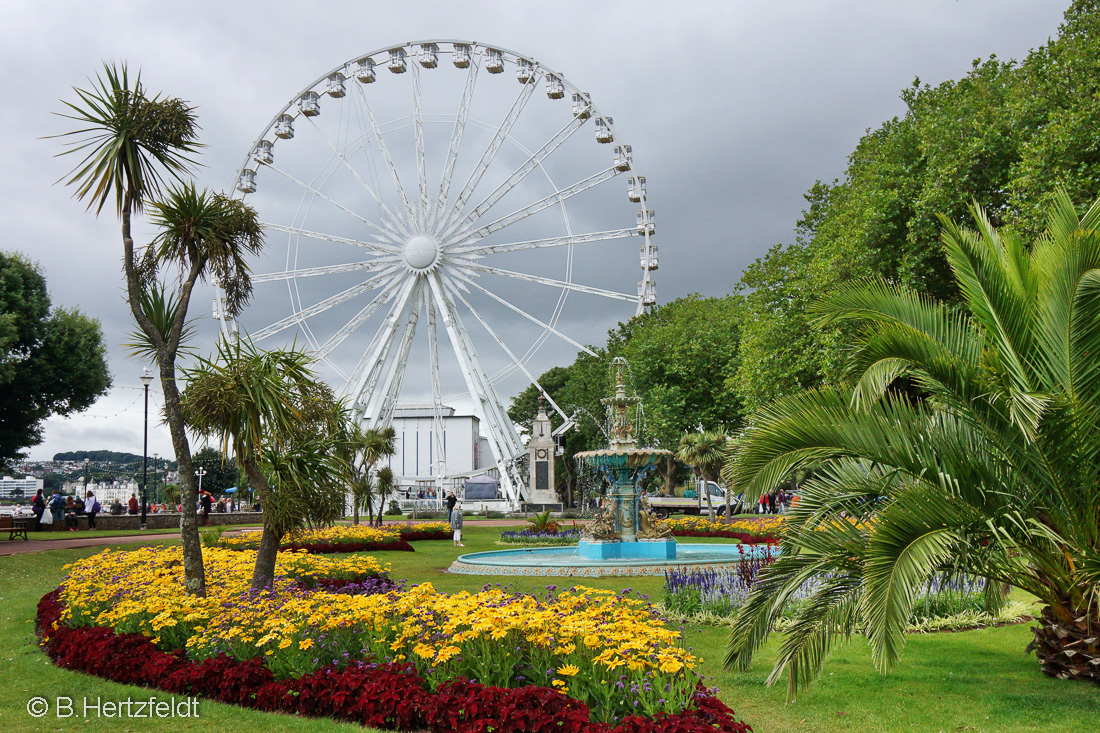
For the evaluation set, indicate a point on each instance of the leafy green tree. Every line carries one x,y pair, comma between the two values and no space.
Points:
281,423
52,361
131,141
682,357
1006,135
991,472
221,471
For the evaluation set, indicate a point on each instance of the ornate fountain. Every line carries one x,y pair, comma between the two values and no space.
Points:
624,528
625,538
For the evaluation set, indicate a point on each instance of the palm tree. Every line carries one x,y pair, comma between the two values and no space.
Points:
282,425
368,447
130,142
385,485
704,452
990,470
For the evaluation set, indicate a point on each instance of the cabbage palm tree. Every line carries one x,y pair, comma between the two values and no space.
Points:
704,452
384,482
131,143
282,424
987,465
369,447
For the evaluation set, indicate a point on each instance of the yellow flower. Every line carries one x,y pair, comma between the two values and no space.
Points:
305,643
671,666
568,670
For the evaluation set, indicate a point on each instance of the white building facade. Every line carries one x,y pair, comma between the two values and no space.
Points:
20,489
418,460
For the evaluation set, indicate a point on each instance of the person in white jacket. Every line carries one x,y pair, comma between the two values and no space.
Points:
456,523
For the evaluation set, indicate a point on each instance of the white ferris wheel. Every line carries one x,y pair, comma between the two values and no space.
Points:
401,192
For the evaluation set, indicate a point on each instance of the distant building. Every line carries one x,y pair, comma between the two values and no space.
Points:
417,458
19,489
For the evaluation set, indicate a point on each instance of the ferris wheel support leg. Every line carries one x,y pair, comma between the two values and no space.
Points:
390,388
504,442
379,349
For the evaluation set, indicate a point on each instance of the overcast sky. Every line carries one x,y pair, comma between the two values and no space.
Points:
733,110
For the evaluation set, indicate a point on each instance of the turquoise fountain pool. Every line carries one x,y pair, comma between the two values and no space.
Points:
565,561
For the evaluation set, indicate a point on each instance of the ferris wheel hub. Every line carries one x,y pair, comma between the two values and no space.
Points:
420,252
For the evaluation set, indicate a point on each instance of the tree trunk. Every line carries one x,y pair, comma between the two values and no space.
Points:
194,574
706,490
193,570
264,571
1068,649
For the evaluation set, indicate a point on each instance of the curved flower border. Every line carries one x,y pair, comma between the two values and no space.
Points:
390,696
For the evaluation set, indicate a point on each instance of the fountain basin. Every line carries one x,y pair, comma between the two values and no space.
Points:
661,549
567,561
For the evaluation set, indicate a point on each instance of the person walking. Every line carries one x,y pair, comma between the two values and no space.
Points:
38,506
451,501
456,522
206,500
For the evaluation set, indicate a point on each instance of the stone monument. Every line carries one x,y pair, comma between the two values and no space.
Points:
541,494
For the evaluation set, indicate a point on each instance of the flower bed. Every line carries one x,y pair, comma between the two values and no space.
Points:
379,695
765,528
585,654
715,596
538,537
356,538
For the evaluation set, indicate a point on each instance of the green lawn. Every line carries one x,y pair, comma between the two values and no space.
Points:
975,680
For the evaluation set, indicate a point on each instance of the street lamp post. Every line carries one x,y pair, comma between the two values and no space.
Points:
146,379
156,482
86,477
200,472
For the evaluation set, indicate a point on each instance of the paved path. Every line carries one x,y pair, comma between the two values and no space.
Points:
90,539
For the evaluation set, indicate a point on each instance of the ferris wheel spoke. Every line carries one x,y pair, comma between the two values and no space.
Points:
456,143
549,281
515,360
395,374
470,281
543,203
369,370
421,162
490,153
335,203
359,319
328,303
324,270
519,174
386,154
355,173
492,249
377,246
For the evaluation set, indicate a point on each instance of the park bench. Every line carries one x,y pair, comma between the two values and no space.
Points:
16,526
